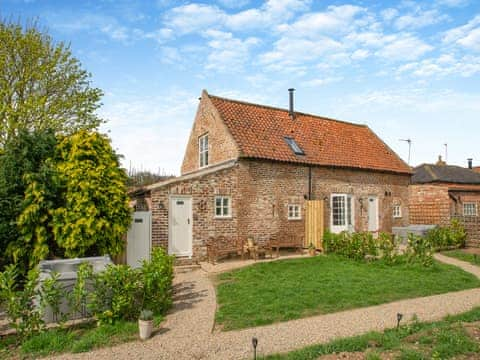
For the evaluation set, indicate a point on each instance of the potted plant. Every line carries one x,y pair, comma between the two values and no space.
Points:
311,250
145,324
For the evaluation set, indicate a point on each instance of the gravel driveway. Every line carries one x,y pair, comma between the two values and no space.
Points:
187,332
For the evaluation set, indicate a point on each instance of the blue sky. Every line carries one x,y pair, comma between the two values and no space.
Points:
408,69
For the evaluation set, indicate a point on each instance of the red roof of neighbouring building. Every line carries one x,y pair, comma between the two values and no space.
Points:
260,132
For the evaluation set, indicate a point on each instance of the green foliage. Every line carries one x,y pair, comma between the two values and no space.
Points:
42,85
94,215
117,294
157,275
79,295
420,249
351,245
388,248
20,305
51,296
22,164
146,315
120,292
447,237
76,206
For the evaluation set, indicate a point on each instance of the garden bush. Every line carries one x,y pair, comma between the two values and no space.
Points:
351,245
420,249
448,237
359,246
117,293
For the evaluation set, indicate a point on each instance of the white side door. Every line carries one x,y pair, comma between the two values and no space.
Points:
373,221
180,226
139,240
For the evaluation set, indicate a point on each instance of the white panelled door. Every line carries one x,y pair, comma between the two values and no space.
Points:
180,226
373,222
139,240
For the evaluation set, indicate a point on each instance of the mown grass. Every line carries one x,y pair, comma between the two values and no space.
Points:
75,339
266,293
464,256
444,339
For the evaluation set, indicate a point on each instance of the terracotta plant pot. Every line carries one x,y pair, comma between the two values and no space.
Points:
145,328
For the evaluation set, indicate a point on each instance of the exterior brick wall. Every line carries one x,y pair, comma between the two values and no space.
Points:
221,146
429,204
203,191
260,193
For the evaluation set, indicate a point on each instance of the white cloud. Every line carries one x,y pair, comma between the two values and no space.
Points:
227,52
360,54
404,48
321,81
389,14
453,3
196,17
139,123
419,19
460,32
471,40
336,19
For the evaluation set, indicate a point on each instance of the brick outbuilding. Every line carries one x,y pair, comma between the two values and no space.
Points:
250,169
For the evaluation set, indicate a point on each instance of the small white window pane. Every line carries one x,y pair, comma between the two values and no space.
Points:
218,201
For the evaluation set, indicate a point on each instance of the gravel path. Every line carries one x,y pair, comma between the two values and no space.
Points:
187,332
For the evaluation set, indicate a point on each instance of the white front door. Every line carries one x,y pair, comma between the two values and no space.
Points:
139,238
180,226
373,214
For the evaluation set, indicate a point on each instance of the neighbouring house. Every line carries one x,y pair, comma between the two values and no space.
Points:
441,192
251,170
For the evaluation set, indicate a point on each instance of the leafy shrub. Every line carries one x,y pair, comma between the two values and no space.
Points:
447,237
420,249
20,305
387,246
120,292
52,294
157,281
351,245
117,294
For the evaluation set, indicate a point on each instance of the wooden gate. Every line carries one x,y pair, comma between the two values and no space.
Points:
314,223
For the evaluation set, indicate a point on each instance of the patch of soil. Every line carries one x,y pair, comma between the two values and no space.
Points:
473,330
344,355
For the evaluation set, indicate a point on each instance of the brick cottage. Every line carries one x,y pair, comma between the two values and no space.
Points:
441,192
249,170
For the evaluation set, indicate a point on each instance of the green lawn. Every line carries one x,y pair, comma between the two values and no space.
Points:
450,338
462,255
284,290
80,338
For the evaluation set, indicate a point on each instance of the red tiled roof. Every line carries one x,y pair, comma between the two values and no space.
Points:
260,130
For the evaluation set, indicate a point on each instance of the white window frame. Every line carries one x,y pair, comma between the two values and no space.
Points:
203,150
349,213
223,207
468,212
294,212
397,211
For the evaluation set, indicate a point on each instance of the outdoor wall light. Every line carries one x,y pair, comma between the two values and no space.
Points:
161,206
399,318
254,343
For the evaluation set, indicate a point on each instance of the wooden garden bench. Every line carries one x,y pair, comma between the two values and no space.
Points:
287,241
222,246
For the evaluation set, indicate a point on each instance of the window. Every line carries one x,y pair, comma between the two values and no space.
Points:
294,212
470,209
294,146
203,150
342,210
397,211
222,207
